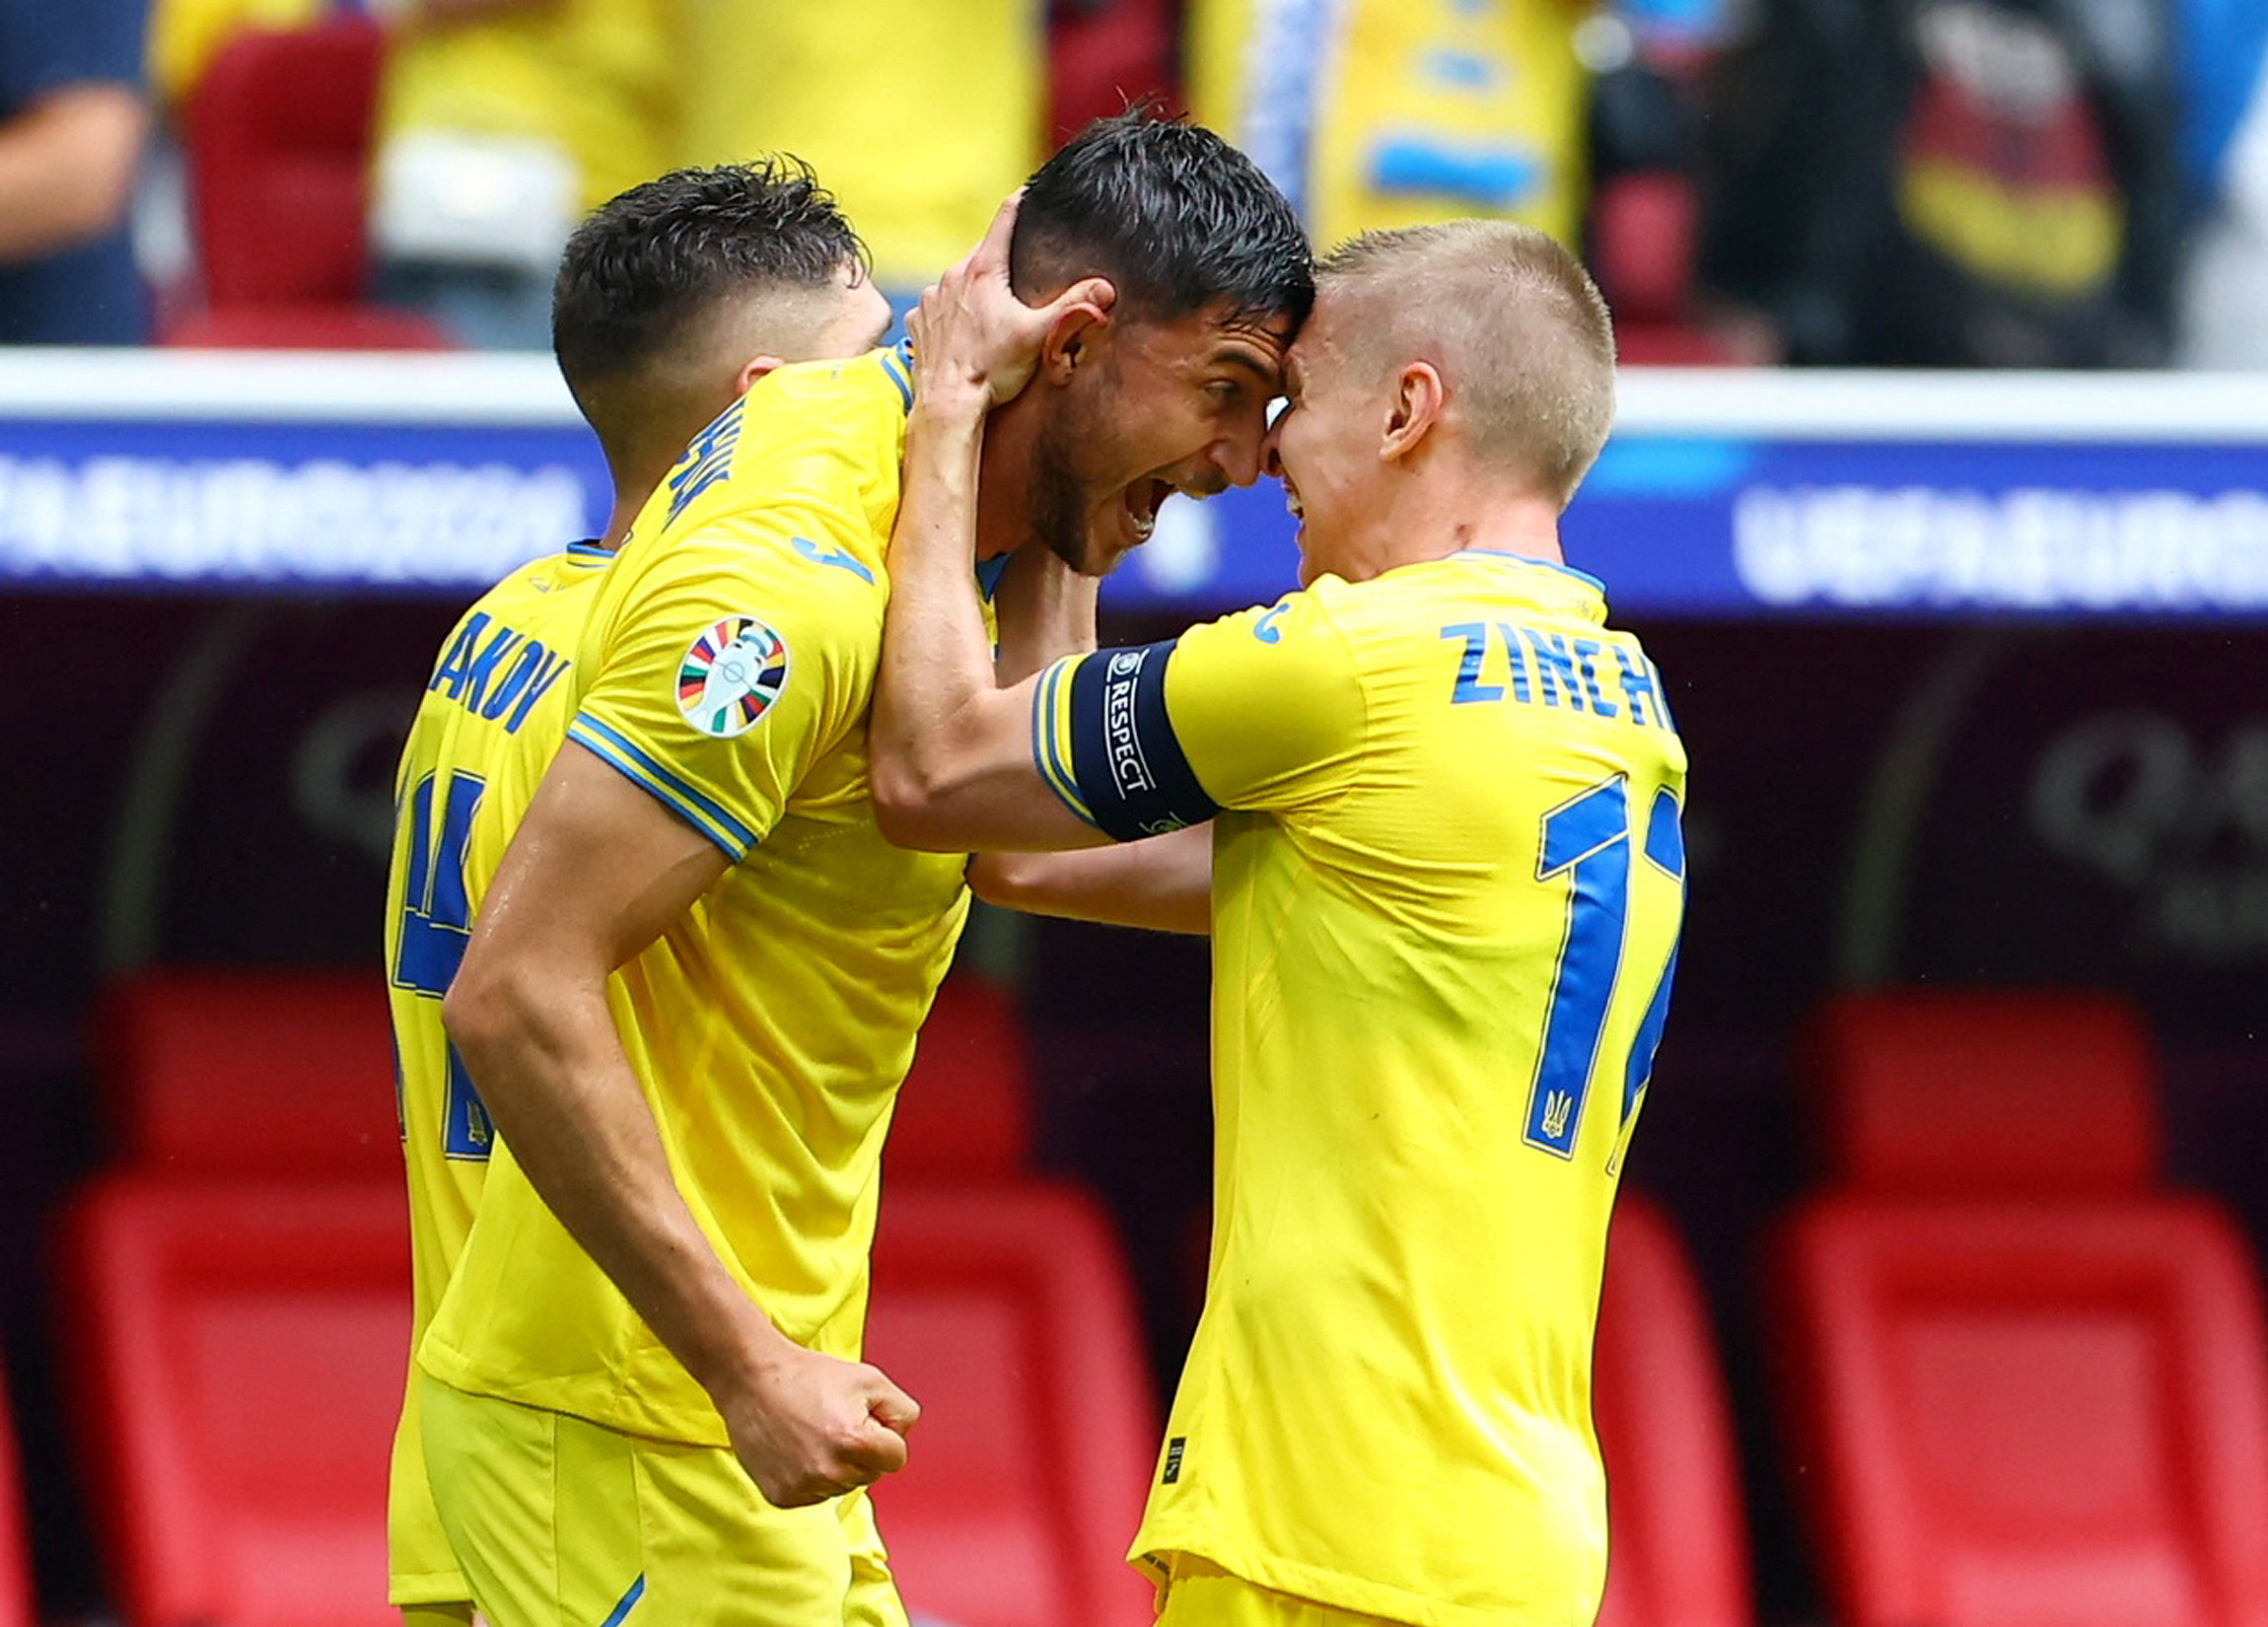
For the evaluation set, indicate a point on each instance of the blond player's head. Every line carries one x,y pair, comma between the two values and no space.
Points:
1511,321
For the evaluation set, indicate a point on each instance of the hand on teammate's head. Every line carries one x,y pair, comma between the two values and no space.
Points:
971,332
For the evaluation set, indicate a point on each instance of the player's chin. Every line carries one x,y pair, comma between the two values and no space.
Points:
1106,542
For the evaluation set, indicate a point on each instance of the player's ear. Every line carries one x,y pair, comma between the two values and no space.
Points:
756,368
1418,400
1074,336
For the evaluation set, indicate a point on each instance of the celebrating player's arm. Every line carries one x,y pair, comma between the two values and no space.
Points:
973,757
600,868
952,743
1046,611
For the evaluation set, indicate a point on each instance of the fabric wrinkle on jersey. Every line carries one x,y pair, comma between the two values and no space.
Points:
770,1029
1385,1408
464,779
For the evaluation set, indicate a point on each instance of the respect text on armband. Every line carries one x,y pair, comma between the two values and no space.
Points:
1129,768
1507,662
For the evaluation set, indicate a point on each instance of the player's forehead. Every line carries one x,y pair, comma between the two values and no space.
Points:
1324,333
1217,338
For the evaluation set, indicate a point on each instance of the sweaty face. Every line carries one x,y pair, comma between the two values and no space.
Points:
1323,445
1162,406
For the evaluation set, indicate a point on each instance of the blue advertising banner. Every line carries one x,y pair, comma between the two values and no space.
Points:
1721,495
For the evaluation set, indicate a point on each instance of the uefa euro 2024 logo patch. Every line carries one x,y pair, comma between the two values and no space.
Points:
730,676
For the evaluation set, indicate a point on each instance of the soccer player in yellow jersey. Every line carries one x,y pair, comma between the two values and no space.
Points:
1443,882
692,988
671,300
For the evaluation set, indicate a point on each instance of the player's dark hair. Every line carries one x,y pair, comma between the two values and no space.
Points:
657,257
1176,218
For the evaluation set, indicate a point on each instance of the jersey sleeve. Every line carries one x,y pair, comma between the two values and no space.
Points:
1259,710
728,668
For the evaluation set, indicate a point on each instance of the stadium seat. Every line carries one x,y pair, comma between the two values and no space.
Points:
965,1111
306,327
1643,228
2023,1388
1677,1552
235,1371
253,1073
15,1548
278,138
1007,1313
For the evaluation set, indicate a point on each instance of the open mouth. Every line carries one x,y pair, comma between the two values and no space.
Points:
1292,501
1141,500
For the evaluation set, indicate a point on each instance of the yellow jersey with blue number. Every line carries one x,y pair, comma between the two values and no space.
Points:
1447,882
724,670
494,713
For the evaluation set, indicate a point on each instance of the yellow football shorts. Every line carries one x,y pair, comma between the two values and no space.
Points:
1199,1594
562,1523
420,1569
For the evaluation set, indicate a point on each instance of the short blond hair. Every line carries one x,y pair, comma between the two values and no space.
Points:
1514,325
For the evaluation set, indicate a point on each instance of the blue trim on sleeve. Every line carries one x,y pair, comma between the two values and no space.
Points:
704,814
1124,754
1047,744
897,363
622,1605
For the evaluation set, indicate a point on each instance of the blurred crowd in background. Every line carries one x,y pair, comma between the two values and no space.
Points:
1871,182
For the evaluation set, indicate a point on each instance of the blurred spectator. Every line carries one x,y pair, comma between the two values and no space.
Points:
1949,182
502,123
1377,113
920,115
2225,61
73,117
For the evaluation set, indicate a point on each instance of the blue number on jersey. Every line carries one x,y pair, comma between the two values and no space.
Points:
435,925
1588,839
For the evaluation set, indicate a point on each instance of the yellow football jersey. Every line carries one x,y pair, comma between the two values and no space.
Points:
919,118
1447,888
1382,113
493,714
598,79
725,669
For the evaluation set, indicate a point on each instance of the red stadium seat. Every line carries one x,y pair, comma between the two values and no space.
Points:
1007,1313
2024,1390
278,134
14,1549
1971,1091
307,327
1677,1547
965,1111
237,1370
1643,228
253,1072
279,139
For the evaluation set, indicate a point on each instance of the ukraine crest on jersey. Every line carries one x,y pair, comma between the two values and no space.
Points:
493,712
1447,882
724,670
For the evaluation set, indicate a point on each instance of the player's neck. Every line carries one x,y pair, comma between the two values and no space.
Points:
1003,483
1441,513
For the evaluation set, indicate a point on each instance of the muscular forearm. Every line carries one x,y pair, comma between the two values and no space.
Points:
66,166
935,665
1162,882
542,1051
